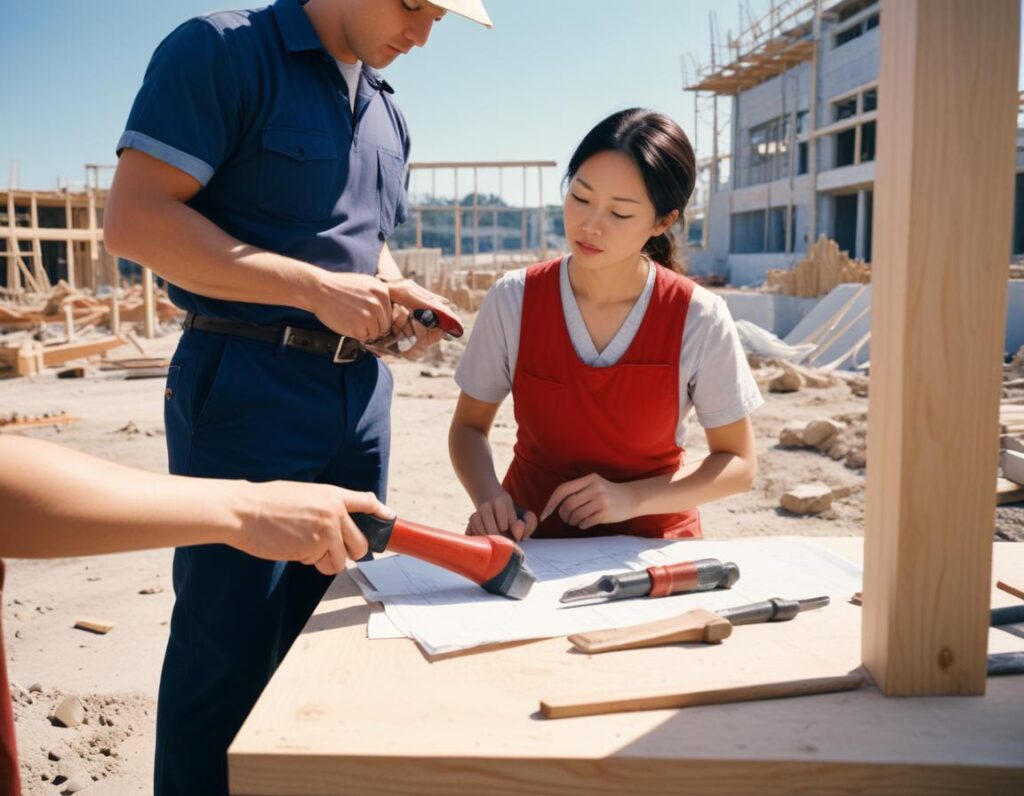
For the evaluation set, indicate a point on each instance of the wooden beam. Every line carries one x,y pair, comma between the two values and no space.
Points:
938,316
58,354
149,304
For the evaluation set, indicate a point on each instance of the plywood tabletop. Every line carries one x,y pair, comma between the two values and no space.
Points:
348,714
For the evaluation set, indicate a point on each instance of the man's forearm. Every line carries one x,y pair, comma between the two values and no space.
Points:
387,268
187,249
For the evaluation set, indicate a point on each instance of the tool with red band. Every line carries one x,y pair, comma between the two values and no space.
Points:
434,318
494,562
687,576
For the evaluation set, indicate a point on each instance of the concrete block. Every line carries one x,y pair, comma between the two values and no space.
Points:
812,498
70,712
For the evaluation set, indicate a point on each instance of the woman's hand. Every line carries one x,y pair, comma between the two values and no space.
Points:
499,515
591,500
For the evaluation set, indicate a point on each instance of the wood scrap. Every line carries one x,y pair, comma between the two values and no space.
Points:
1012,464
59,354
16,422
1004,586
94,625
564,707
1008,492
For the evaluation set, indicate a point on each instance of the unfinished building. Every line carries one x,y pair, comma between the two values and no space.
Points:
803,84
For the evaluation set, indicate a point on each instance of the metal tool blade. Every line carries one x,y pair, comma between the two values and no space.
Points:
612,587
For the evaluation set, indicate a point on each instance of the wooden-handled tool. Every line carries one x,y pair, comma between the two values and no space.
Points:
561,708
697,625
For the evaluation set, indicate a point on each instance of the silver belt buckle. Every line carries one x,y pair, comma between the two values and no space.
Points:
338,358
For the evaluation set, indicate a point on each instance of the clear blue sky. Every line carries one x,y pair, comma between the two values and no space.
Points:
527,89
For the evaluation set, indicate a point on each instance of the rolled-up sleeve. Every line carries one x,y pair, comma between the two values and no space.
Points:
188,111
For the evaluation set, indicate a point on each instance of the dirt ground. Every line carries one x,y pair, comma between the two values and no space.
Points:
116,675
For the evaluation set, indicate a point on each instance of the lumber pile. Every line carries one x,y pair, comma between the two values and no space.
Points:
816,275
40,330
84,309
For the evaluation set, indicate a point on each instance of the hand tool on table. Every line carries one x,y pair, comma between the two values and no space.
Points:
697,625
1009,619
496,563
430,318
565,707
704,574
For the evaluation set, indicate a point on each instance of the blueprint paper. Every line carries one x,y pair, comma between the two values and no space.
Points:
445,613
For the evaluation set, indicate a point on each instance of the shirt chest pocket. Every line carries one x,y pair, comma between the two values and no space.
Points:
298,176
390,190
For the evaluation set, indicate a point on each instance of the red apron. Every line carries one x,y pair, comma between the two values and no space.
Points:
9,774
618,421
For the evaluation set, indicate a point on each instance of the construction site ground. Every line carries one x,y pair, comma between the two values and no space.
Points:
115,675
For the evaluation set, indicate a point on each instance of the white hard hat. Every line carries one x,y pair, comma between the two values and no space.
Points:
471,9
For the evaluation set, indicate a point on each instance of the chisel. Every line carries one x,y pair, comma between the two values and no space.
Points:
659,581
697,625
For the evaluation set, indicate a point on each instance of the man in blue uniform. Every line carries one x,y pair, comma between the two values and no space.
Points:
261,171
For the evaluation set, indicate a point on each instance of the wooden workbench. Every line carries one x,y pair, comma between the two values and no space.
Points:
345,714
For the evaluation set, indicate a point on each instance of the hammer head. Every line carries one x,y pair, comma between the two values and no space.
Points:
515,579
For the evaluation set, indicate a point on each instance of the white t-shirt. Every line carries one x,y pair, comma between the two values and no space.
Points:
714,378
351,74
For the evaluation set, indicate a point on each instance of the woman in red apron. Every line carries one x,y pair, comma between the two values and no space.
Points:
599,341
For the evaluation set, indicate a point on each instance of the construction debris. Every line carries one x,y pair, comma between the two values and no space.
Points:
69,713
98,626
795,377
15,422
824,267
811,498
40,330
842,437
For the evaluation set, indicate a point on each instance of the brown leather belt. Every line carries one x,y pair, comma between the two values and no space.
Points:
337,347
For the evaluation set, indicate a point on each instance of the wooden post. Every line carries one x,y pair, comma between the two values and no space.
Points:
944,201
458,222
476,220
148,304
37,249
115,311
13,248
70,244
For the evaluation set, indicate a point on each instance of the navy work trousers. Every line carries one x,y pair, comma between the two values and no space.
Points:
243,409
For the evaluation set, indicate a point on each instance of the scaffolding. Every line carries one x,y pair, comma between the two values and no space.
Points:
769,46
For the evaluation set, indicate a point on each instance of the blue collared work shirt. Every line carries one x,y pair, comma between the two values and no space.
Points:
251,105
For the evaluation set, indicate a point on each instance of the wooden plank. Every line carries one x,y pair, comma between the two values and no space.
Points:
94,625
563,707
1012,464
929,501
58,354
21,423
1008,492
374,716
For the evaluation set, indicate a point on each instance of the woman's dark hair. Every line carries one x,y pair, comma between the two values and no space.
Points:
660,149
